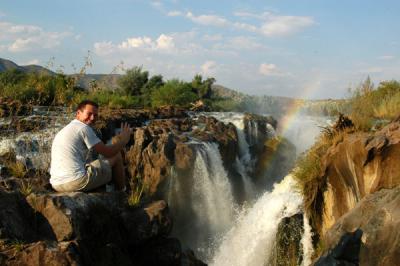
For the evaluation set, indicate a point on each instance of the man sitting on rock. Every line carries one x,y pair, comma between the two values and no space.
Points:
70,169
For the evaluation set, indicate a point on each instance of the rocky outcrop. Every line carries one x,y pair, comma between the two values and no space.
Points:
165,143
359,198
357,165
288,249
86,229
275,159
367,234
111,119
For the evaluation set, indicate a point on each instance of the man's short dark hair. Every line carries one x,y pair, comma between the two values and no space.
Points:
83,103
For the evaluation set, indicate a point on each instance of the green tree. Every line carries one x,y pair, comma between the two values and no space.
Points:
202,87
154,83
173,92
133,81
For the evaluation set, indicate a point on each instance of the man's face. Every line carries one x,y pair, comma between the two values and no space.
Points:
87,115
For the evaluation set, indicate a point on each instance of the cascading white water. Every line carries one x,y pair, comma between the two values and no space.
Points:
33,148
251,239
243,164
203,202
212,192
306,241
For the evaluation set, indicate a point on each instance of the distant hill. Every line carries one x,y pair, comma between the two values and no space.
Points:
84,81
8,65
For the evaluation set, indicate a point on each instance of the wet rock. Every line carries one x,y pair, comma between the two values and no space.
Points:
288,249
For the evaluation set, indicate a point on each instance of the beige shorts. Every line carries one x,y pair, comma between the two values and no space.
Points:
98,173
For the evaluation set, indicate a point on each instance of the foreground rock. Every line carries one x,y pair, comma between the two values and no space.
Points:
367,235
86,229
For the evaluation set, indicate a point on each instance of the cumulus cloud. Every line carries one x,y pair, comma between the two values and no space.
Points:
271,25
165,42
20,38
285,25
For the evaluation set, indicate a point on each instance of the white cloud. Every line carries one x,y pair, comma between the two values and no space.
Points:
165,42
20,38
208,68
267,69
386,57
137,42
285,25
104,48
207,20
245,26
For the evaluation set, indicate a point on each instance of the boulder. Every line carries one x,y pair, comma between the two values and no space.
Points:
367,234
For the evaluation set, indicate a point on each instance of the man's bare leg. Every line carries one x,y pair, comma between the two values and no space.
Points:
118,172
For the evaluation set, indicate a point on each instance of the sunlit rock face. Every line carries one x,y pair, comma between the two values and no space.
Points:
368,234
358,165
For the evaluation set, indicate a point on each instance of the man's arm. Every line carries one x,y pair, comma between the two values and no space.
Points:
111,150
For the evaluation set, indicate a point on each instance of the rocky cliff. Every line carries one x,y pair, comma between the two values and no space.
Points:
361,175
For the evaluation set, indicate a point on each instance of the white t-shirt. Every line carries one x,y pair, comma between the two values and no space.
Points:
69,152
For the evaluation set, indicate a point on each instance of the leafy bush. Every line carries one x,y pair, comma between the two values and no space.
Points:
174,92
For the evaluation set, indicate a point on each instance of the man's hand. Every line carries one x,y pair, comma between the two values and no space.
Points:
125,134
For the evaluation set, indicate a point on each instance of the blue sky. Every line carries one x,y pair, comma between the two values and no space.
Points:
296,48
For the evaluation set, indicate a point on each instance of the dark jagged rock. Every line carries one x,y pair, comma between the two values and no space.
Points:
288,249
85,229
346,252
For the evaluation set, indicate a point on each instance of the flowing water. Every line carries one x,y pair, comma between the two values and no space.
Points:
251,237
202,203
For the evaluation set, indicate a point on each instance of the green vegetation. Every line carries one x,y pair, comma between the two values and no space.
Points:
138,188
136,89
370,105
17,169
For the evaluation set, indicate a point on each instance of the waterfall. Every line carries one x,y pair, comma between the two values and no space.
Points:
251,239
244,163
306,241
202,203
